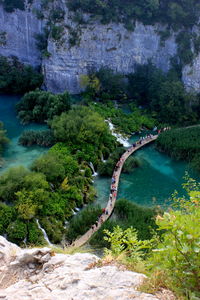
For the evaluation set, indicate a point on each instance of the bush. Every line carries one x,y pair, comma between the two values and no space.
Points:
178,252
176,13
42,138
82,222
130,164
3,139
17,231
17,78
40,106
163,95
35,235
181,144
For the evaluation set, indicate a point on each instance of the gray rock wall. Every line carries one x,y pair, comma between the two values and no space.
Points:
191,76
105,45
19,29
100,45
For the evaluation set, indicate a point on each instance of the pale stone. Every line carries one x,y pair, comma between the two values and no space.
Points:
64,277
100,45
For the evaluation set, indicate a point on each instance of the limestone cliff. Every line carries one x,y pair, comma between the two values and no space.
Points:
17,34
39,274
96,45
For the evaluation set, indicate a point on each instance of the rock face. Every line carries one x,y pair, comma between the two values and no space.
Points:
105,45
17,35
97,45
191,75
38,274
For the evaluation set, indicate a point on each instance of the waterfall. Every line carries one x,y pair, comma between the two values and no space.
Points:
93,170
120,138
74,213
102,159
44,233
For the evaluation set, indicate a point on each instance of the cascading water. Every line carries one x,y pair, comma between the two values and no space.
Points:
44,233
93,170
119,137
102,159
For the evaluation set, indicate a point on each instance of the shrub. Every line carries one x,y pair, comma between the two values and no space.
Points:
16,77
181,143
82,222
43,138
178,252
40,106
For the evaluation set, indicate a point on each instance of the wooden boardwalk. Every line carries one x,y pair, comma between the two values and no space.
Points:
111,202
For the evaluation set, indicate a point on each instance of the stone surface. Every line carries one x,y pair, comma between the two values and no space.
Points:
100,45
20,29
37,274
105,45
191,75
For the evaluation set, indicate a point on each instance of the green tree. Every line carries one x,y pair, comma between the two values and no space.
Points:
51,166
17,231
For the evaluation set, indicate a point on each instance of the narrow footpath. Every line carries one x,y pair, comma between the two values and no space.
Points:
113,191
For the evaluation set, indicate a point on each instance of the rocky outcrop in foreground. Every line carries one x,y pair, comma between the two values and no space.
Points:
40,274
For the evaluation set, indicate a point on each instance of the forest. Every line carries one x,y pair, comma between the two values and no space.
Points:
173,13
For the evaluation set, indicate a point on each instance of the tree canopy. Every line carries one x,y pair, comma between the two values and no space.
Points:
16,77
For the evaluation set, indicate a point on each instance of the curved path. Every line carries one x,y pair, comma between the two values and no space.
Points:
112,199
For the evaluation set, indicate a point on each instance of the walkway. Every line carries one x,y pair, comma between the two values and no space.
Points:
112,199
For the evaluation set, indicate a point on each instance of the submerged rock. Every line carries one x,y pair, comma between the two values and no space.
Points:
40,274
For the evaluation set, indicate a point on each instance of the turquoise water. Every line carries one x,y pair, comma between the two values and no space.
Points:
152,183
15,154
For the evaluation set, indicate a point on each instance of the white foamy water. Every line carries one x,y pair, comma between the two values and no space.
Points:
44,233
122,140
93,170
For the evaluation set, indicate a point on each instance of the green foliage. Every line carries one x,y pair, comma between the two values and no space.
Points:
11,5
141,218
35,235
17,231
163,95
17,78
40,106
178,252
57,15
7,215
57,32
126,242
42,138
50,165
182,144
128,214
11,182
106,168
125,123
3,139
85,132
174,13
82,222
185,53
54,229
130,164
42,41
103,84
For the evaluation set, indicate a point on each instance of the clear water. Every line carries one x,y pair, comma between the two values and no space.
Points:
152,183
15,154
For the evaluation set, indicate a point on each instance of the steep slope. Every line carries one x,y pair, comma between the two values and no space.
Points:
75,49
40,274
